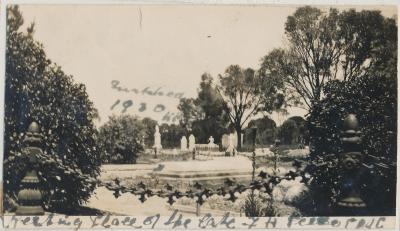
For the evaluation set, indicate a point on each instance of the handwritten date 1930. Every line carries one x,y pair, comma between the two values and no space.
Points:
125,105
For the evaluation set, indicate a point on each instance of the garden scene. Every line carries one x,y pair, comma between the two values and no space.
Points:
236,145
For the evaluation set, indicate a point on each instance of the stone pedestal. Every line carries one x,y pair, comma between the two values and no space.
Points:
214,171
30,197
350,160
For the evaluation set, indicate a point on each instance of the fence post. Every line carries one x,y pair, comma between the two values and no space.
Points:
275,150
30,197
350,160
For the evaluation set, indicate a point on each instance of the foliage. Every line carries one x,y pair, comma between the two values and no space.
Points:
205,115
205,128
289,132
370,93
330,45
293,131
257,205
189,112
266,131
246,93
301,123
38,90
149,130
374,100
171,135
120,139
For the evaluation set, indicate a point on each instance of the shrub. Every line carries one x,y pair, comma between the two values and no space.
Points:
289,132
37,90
252,205
121,139
373,98
171,135
266,132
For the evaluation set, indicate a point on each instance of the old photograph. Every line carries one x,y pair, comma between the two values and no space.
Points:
246,110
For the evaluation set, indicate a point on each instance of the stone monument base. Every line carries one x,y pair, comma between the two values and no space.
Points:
214,171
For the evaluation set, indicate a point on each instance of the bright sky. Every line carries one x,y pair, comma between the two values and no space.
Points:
166,47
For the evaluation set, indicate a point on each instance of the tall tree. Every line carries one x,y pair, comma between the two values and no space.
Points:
247,92
205,115
149,130
327,45
306,64
189,112
368,40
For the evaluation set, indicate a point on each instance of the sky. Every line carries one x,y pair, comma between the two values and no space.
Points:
141,59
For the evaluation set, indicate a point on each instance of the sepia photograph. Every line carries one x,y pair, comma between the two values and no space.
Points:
200,110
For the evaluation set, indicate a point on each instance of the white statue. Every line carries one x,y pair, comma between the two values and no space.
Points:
184,143
192,142
157,139
211,141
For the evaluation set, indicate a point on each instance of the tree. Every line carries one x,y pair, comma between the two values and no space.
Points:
266,131
314,50
189,112
289,132
371,94
246,93
171,135
205,115
326,46
368,40
38,90
149,130
121,136
373,99
301,123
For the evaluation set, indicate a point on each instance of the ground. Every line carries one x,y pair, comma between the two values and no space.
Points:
127,204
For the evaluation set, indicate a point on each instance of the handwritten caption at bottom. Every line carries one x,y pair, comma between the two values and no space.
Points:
178,221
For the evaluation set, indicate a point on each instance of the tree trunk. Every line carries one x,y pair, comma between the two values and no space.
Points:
239,136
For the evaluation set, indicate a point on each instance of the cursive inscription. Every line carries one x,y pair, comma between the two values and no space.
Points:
178,221
152,91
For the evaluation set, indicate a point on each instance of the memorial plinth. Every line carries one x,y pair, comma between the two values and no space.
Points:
214,171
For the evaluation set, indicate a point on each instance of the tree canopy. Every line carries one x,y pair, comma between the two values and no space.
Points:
266,131
38,90
248,92
330,45
205,115
121,139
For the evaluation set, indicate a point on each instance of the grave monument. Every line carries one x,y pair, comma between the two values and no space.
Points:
184,144
192,142
157,141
